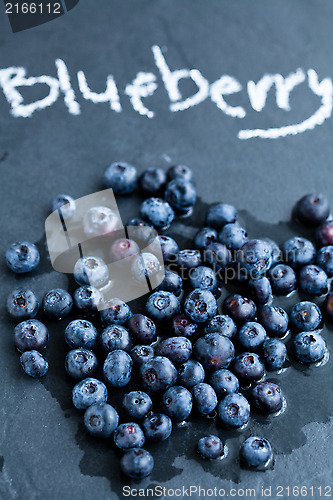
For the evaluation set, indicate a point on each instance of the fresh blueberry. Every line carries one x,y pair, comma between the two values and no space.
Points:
177,403
283,279
129,435
204,237
141,231
152,181
261,290
298,252
80,363
239,308
276,252
91,271
87,299
234,410
57,303
224,382
248,367
267,397
309,347
117,368
214,351
101,420
146,267
162,306
233,236
256,453
157,427
221,214
328,307
305,316
141,354
117,312
137,404
87,392
22,257
181,195
183,326
223,324
312,209
274,319
169,247
172,283
137,463
142,328
30,335
217,255
200,305
180,172
313,280
121,177
203,277
190,374
123,248
210,447
324,234
188,260
177,349
251,336
22,304
34,364
204,398
116,337
158,374
100,221
157,212
325,259
274,353
80,333
65,204
255,256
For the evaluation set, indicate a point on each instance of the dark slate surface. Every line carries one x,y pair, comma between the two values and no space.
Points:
46,454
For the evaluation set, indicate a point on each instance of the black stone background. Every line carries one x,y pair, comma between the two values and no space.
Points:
46,454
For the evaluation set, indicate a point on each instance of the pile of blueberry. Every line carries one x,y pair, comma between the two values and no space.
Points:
187,352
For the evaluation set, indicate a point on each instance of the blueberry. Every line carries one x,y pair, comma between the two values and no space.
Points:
88,392
210,447
276,252
177,349
274,354
239,308
137,404
234,410
261,290
255,256
298,252
162,306
80,363
158,212
87,299
305,316
283,279
313,280
141,353
117,368
129,435
30,335
57,303
190,374
137,463
274,319
157,427
123,248
204,237
152,181
180,172
203,277
117,312
181,195
248,367
169,247
91,271
188,260
200,305
224,382
251,336
80,333
217,255
146,267
204,398
22,257
221,214
214,351
172,283
22,303
121,177
116,337
223,324
177,403
267,397
324,234
256,453
100,221
101,420
142,328
65,204
309,347
328,306
183,326
325,259
34,364
233,236
158,374
312,209
140,230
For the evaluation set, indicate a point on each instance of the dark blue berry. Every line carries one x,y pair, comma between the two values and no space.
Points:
117,368
274,319
251,336
140,354
309,347
30,335
255,256
116,337
204,398
157,212
224,382
123,248
57,303
221,214
91,271
129,435
101,420
283,279
157,427
213,351
248,367
180,172
22,303
169,247
137,404
140,231
34,364
210,447
324,234
80,363
313,280
172,283
152,181
162,306
177,349
256,453
203,277
22,257
116,312
177,403
87,299
188,260
298,252
121,177
158,374
204,237
276,252
217,255
328,307
267,397
142,328
181,195
312,209
81,333
223,324
137,463
200,305
65,204
234,410
305,316
88,392
190,374
325,259
274,353
261,290
183,326
233,236
239,308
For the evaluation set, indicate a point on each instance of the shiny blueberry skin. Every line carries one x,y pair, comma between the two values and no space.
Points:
169,247
22,257
183,326
187,260
137,404
325,259
248,367
221,214
146,266
66,204
328,307
87,392
204,398
204,237
116,337
313,280
91,271
267,397
121,177
22,304
239,308
117,368
117,312
217,255
137,463
251,336
203,277
158,212
200,305
80,333
233,236
181,195
34,364
157,427
190,374
180,172
305,316
80,363
100,221
324,234
177,403
162,306
256,453
261,290
224,382
283,279
177,349
123,248
309,347
30,335
312,209
234,410
87,299
274,319
152,181
255,256
210,447
274,353
298,252
213,351
129,435
172,283
158,374
101,420
141,353
223,324
57,303
142,328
